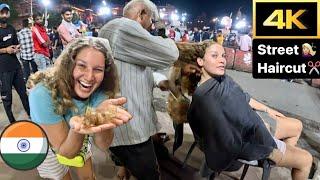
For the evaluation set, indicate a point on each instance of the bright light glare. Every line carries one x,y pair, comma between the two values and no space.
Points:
104,11
224,21
162,15
174,17
46,2
241,24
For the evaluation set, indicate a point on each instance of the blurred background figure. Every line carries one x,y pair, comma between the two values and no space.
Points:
26,49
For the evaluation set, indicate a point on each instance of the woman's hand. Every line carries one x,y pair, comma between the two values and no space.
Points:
76,124
121,116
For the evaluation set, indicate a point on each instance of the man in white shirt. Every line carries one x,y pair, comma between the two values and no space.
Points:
136,54
245,42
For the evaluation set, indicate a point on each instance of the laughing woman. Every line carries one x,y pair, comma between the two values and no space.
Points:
71,102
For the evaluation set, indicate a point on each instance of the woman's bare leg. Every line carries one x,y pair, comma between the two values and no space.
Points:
86,172
123,173
288,129
296,158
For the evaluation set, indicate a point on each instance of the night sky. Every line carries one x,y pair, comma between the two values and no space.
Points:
195,8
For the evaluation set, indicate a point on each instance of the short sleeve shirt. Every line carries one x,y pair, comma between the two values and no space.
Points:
8,37
42,108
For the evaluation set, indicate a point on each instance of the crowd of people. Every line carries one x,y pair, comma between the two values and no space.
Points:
242,41
99,91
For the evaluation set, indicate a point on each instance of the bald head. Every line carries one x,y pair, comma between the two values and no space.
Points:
142,11
137,7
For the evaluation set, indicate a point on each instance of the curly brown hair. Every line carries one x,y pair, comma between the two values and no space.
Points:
188,54
59,80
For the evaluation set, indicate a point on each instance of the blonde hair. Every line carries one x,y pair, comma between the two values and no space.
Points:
59,80
308,46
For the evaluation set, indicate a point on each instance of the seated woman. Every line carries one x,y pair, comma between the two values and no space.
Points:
70,101
222,118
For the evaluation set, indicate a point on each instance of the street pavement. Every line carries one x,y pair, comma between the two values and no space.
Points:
298,100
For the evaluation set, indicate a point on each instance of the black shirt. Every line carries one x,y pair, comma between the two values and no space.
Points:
8,37
225,125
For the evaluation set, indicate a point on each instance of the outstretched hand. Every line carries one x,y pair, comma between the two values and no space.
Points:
76,124
121,116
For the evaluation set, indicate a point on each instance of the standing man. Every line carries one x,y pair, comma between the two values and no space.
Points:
67,30
41,42
136,52
245,42
27,52
10,69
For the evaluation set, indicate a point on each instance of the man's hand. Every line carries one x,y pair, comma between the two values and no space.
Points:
17,48
163,85
11,49
191,69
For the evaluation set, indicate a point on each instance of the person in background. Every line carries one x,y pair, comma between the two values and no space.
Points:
196,35
67,30
10,69
94,32
41,42
56,43
27,52
245,42
220,37
172,33
185,37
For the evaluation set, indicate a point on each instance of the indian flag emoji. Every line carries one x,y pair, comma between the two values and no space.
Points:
23,145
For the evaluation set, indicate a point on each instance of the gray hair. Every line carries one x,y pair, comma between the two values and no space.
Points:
149,5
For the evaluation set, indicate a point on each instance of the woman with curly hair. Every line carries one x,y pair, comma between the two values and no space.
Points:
73,100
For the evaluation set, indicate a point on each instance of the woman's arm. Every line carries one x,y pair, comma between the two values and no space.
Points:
261,107
63,140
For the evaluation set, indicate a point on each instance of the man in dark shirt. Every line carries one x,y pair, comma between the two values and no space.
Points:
10,69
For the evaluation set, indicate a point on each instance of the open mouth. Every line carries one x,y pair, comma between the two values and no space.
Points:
86,86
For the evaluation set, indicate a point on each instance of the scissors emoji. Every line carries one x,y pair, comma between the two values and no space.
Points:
314,67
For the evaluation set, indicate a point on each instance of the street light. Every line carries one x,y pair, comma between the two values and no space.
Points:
105,10
46,3
241,24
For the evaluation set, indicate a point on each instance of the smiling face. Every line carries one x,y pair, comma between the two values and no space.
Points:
67,16
88,72
214,62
